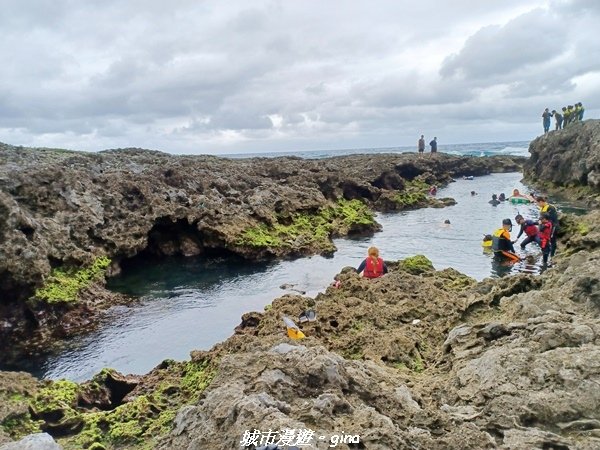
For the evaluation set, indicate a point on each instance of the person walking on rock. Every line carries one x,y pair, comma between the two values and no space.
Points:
433,145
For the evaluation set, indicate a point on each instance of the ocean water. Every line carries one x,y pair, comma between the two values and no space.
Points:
479,149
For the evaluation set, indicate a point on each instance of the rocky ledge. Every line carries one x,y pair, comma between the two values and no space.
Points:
567,162
418,359
69,219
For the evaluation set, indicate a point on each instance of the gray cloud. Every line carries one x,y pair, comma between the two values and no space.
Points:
502,51
191,76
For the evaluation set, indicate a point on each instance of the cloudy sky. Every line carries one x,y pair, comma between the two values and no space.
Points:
191,76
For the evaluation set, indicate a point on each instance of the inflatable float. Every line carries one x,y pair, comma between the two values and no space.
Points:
519,200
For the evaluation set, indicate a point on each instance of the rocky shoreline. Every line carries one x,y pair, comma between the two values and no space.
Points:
418,359
567,162
69,219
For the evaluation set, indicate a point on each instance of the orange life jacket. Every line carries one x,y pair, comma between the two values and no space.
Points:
545,233
372,269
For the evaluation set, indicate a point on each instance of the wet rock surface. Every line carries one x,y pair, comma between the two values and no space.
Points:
63,212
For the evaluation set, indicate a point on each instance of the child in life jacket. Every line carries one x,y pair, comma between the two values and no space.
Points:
545,236
373,266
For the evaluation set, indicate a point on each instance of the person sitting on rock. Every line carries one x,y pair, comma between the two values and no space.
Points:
494,201
373,266
433,190
529,227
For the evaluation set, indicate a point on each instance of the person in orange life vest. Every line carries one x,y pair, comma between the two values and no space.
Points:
529,227
545,236
549,209
501,243
373,266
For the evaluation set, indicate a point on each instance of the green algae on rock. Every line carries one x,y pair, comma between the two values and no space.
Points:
103,413
416,264
16,391
64,284
301,230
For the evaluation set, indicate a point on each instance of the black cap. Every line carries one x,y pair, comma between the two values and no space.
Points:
518,217
507,222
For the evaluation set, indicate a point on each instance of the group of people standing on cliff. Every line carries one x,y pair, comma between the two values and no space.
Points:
570,114
421,145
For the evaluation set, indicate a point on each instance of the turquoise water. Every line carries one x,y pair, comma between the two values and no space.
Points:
193,303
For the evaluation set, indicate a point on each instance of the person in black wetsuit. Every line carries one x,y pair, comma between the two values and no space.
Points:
501,243
494,201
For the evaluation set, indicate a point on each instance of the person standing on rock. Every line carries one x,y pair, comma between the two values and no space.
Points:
549,209
565,114
433,145
421,145
581,111
571,113
546,120
373,266
546,232
558,119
